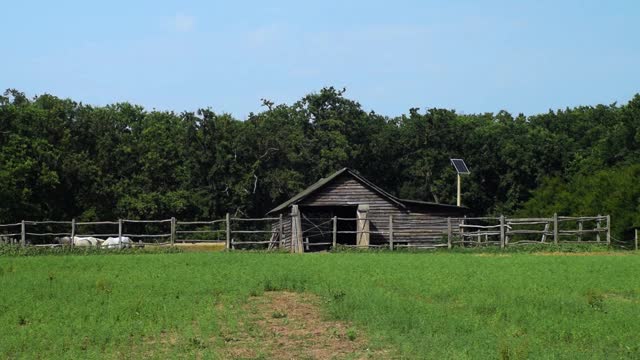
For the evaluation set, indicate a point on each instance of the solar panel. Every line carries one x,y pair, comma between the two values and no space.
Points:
460,166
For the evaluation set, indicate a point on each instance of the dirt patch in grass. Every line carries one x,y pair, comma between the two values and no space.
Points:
287,325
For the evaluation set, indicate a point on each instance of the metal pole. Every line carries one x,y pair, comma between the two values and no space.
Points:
449,234
636,238
459,191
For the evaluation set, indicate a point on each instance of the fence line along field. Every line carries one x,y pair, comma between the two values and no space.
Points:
299,233
392,304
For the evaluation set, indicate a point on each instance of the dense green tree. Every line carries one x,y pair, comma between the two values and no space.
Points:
61,159
614,191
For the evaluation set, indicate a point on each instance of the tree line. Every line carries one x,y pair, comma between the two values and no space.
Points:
61,159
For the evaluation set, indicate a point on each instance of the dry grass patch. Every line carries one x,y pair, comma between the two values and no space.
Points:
626,298
288,325
200,247
595,253
492,255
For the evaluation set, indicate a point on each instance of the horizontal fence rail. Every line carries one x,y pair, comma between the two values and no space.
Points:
299,233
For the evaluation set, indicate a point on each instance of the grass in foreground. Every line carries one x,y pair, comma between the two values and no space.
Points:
439,305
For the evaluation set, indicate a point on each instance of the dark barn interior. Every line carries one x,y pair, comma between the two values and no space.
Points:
317,226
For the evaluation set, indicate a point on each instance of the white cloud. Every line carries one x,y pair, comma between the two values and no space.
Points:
184,23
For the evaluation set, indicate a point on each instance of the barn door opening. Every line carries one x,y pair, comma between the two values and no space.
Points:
347,225
317,226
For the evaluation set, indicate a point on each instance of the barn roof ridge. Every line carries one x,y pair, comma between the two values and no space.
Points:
402,203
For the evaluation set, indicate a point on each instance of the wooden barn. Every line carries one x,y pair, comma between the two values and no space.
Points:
347,209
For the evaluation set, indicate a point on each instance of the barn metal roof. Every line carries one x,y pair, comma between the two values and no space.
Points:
402,203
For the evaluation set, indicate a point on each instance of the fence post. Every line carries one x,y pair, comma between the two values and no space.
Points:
390,232
449,233
23,234
173,230
506,232
503,243
228,231
280,232
120,233
598,228
296,230
608,230
579,230
73,231
555,228
335,232
635,238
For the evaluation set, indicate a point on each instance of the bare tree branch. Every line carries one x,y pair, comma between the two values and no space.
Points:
267,152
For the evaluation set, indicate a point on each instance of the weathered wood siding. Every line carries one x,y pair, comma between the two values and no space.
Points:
414,225
286,230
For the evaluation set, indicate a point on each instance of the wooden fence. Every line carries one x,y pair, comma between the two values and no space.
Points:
477,231
503,231
323,234
146,232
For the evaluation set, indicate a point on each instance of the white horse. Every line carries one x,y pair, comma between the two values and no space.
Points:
87,241
117,243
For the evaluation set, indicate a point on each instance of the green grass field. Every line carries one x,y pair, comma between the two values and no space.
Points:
414,305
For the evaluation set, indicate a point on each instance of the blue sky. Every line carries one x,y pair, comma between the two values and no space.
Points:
471,56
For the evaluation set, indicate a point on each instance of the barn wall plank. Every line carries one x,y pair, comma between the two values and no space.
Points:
424,226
